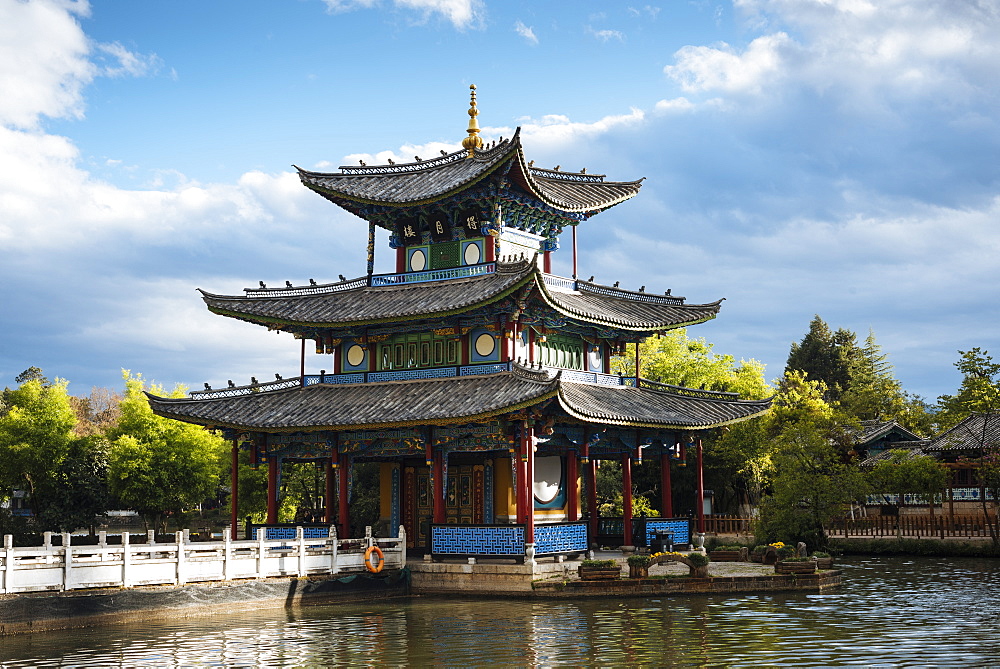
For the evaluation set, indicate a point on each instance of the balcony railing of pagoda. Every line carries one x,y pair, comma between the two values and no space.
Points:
645,531
433,275
507,541
574,375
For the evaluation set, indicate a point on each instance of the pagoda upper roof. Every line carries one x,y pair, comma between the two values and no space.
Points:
457,401
359,302
411,184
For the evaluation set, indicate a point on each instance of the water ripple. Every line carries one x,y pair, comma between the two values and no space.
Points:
890,612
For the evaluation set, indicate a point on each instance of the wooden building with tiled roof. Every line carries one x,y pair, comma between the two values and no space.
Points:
478,379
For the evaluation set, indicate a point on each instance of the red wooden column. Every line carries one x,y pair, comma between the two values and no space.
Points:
701,490
547,262
344,473
439,510
574,251
592,498
234,486
272,489
529,478
400,259
627,497
573,498
518,481
666,493
330,491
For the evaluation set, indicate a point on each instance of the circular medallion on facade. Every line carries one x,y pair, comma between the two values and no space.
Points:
485,345
355,355
418,261
472,254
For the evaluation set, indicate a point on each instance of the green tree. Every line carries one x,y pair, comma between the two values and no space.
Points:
904,474
979,391
36,422
873,392
77,494
814,479
676,359
825,356
158,466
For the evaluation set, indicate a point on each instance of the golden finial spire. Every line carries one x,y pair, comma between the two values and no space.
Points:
473,141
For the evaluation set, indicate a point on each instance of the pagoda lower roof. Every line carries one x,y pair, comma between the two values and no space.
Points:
360,302
425,181
459,400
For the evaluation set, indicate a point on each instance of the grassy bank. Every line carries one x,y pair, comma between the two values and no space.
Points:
930,547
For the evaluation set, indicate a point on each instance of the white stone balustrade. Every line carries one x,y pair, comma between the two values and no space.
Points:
126,565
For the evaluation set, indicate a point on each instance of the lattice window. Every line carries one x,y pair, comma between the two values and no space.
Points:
445,255
418,350
561,351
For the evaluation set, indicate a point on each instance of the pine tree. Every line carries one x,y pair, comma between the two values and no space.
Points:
824,356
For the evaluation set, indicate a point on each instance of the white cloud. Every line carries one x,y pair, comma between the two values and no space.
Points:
721,68
43,57
461,13
526,32
607,35
46,58
868,56
557,130
126,63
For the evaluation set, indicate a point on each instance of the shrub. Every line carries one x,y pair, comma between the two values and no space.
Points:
600,564
820,554
638,560
728,547
698,560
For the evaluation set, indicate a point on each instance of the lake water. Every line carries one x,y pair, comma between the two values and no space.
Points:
889,612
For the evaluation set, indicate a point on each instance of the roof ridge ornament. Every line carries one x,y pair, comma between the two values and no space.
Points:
473,141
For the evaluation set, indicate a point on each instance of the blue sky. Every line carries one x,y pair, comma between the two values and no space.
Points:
831,157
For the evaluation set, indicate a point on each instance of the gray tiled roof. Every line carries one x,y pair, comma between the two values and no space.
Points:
628,309
874,429
386,404
913,449
354,303
363,304
646,407
426,181
969,435
454,400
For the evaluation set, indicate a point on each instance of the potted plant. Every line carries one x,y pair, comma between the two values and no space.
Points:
795,565
638,566
757,554
599,570
785,552
726,553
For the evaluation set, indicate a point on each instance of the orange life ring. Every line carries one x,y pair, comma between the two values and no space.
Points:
374,568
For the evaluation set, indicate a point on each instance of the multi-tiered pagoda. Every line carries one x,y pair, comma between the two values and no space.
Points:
477,378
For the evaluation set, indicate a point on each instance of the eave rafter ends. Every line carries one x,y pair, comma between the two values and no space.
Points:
364,190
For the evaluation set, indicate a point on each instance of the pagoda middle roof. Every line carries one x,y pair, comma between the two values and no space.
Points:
358,303
410,184
457,400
